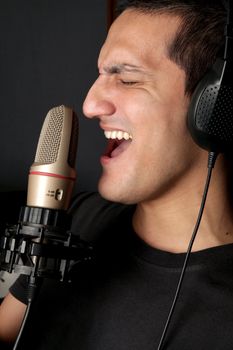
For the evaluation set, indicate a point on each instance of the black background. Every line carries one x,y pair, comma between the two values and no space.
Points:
48,55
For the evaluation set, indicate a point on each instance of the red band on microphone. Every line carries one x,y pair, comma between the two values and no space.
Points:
52,175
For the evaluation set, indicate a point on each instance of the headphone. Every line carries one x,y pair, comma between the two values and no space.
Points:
210,115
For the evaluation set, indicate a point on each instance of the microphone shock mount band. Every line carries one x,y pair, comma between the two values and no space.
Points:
41,245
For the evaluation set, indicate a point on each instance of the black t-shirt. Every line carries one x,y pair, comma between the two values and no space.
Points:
121,300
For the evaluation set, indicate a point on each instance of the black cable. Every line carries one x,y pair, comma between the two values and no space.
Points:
33,288
22,324
211,161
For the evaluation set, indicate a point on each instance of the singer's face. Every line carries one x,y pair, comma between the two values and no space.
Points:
140,96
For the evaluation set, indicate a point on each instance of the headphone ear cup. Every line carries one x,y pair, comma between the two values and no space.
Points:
210,115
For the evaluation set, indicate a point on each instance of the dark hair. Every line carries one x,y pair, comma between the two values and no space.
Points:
199,38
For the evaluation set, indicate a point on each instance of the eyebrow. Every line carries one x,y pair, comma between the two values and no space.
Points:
121,68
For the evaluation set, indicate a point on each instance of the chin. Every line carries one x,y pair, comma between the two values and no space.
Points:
115,193
111,195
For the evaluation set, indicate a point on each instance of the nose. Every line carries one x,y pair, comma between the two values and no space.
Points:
98,101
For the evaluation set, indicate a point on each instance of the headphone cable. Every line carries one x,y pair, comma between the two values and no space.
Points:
211,161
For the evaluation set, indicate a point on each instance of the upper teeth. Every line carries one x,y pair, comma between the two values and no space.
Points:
116,134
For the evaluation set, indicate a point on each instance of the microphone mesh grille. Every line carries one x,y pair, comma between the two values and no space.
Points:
73,141
50,137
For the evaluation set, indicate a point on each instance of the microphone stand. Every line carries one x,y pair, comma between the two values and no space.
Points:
41,246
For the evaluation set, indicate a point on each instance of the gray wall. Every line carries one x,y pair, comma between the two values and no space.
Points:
48,54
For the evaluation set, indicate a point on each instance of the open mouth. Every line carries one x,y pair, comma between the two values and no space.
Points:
118,142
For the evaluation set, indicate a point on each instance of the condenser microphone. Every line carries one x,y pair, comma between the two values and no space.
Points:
52,175
41,244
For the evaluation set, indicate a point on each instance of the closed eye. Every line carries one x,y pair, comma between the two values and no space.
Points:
125,82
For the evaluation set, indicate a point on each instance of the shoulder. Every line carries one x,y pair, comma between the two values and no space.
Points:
92,215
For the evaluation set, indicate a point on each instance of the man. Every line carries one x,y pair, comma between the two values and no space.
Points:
153,57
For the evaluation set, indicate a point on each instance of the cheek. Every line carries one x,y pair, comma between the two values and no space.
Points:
155,122
162,137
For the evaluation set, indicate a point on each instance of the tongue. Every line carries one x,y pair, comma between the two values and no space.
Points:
121,148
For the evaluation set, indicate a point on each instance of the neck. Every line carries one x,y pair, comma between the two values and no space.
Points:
167,223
